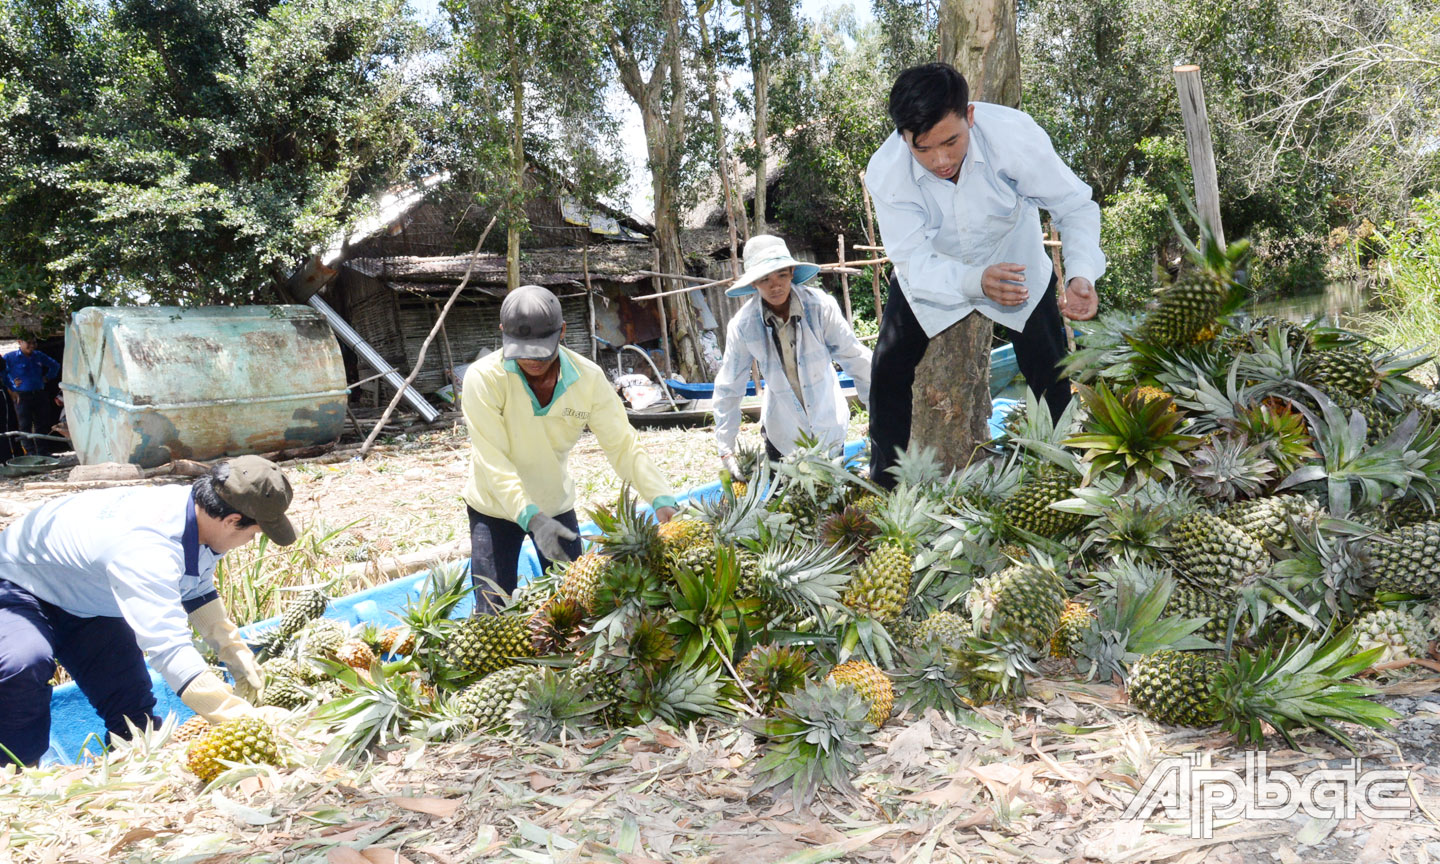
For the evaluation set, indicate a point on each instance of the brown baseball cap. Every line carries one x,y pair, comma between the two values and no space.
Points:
260,490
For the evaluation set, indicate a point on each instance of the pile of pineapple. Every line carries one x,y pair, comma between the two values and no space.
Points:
1233,520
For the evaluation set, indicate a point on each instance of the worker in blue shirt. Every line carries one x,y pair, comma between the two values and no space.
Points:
26,372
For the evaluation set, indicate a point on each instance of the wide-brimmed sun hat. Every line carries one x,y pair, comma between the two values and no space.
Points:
764,254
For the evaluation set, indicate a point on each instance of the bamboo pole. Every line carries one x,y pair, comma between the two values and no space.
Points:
590,300
871,247
425,346
664,325
1202,153
844,281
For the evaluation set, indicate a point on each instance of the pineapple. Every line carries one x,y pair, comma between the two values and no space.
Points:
356,654
1190,305
1266,519
1130,623
851,528
1074,621
581,579
1379,420
629,535
688,543
397,642
287,693
943,628
302,610
1342,370
488,643
1399,634
485,704
1173,687
190,730
797,581
1134,438
607,688
248,740
556,625
1190,602
881,584
1029,508
871,683
1212,554
1296,687
1407,511
818,737
770,672
1407,560
1022,602
321,639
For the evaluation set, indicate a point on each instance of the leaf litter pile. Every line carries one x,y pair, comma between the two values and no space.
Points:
1046,781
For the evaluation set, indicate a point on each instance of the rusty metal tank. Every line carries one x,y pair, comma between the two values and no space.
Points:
150,384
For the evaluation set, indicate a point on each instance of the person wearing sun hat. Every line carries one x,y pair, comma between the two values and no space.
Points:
525,406
102,579
795,333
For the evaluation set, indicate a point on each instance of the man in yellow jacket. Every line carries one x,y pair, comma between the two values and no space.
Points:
525,406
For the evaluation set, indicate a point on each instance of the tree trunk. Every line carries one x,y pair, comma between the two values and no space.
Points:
760,73
517,170
952,385
734,217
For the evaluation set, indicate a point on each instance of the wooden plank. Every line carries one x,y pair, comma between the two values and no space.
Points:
1202,152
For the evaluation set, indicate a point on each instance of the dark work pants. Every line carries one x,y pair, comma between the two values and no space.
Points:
30,410
495,555
99,653
901,347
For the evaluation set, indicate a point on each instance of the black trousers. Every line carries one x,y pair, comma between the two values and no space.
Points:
901,347
495,556
30,411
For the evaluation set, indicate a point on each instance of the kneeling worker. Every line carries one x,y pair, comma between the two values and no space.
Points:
101,579
525,406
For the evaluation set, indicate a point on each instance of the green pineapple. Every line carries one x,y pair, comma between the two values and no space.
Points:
321,639
943,628
1407,560
1298,686
1379,419
302,610
487,643
287,693
1342,370
485,704
1267,519
1074,621
1212,554
881,584
1399,634
1028,509
688,543
1022,602
1186,311
608,688
1190,602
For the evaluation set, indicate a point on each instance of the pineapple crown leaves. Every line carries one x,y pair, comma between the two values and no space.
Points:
935,676
1044,437
1229,467
812,472
687,692
1328,566
1137,521
704,615
771,671
988,481
1102,348
1299,686
381,708
807,577
1379,470
1278,427
818,738
1135,625
549,705
906,516
1133,435
918,467
626,532
1210,255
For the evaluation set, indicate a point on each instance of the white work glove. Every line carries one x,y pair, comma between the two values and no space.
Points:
215,627
212,699
731,464
550,536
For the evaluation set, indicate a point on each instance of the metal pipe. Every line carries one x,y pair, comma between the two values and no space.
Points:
348,335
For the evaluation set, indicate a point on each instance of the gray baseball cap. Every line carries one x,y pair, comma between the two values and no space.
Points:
530,320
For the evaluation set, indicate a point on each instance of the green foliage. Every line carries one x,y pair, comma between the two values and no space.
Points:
1408,276
193,151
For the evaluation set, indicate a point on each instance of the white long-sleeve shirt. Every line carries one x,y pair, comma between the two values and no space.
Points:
117,553
941,235
821,337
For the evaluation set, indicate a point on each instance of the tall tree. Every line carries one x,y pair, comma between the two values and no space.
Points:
541,60
771,31
710,51
650,34
952,385
193,151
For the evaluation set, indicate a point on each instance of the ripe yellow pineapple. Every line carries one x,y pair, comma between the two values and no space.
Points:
249,740
872,685
355,654
487,643
1074,621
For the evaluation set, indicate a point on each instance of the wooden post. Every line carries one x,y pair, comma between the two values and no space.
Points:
845,283
664,326
1202,153
590,299
879,273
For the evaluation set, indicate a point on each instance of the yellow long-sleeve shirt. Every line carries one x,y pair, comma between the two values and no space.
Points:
519,450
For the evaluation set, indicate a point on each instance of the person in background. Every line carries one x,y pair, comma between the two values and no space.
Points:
26,372
958,189
525,406
102,579
796,334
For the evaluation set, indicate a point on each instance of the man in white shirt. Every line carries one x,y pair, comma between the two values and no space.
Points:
957,192
102,579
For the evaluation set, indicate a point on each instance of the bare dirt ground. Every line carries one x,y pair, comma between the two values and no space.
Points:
1045,780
